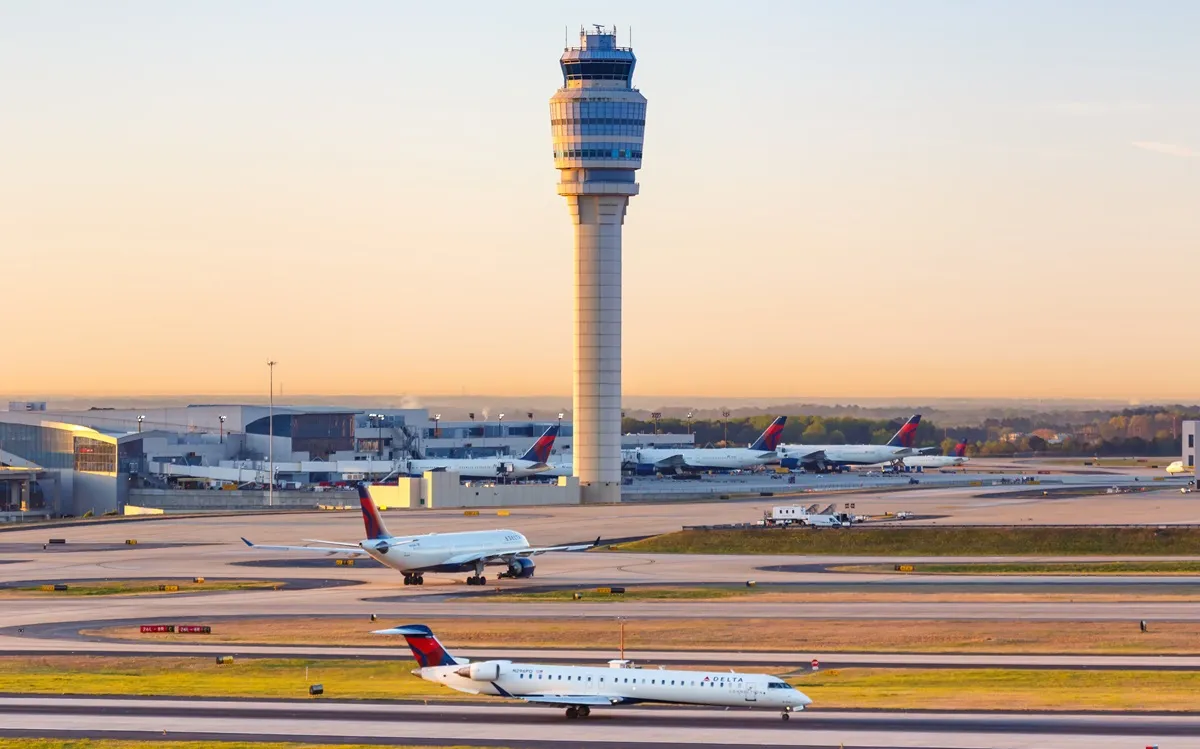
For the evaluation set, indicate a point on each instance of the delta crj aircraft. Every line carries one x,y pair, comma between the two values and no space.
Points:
665,459
835,457
580,688
534,461
935,461
462,551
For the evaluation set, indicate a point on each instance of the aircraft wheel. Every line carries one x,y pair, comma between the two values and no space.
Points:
572,713
584,711
482,580
785,715
419,580
408,580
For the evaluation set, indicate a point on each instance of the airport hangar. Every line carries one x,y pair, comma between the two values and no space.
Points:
71,462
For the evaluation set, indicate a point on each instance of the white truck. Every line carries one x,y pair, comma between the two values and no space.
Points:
798,515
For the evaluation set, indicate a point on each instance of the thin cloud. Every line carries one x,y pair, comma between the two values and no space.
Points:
1095,108
1170,149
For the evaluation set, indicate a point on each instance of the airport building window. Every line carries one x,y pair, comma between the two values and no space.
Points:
1191,440
94,456
1191,461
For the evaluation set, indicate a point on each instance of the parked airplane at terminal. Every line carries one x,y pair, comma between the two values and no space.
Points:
533,462
835,457
580,688
462,551
938,461
665,459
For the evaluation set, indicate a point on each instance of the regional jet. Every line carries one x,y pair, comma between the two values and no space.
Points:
580,688
461,551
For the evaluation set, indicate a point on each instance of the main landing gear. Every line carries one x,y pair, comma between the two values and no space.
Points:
581,711
414,579
477,580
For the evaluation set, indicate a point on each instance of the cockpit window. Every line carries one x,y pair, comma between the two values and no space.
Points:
779,685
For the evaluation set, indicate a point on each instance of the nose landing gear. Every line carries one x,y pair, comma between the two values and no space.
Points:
786,714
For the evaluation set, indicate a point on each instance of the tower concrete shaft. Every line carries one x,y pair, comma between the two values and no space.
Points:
598,121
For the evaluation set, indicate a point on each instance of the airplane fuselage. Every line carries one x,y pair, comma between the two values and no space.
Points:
621,685
476,468
700,458
792,455
435,552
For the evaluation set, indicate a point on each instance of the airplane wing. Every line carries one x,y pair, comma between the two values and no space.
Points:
561,699
569,699
505,556
321,541
797,451
326,550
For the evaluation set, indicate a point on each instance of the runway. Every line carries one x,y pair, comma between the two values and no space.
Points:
510,725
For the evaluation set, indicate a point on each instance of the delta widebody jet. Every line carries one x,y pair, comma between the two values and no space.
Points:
666,460
580,688
834,457
534,461
413,556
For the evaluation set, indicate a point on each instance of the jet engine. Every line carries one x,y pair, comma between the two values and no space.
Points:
483,671
519,567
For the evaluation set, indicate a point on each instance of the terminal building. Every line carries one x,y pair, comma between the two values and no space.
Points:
1191,432
74,462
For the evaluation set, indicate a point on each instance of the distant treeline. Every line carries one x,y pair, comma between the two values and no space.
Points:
1150,431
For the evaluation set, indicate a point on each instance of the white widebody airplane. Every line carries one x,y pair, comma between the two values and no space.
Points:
580,688
826,457
461,551
531,463
663,459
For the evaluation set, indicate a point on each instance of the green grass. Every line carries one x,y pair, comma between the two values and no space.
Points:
1008,689
1038,568
362,679
137,587
630,594
930,541
202,677
118,744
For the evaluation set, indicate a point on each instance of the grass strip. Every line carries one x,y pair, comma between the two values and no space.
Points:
819,636
1038,568
991,689
931,541
141,587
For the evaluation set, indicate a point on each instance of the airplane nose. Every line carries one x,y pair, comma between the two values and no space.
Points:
805,699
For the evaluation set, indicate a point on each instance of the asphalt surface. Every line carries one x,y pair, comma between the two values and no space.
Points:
511,725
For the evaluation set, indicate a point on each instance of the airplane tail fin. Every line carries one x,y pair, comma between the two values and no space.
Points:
426,649
960,450
372,520
539,452
907,436
771,436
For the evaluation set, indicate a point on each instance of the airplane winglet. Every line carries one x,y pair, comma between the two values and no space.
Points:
246,541
596,542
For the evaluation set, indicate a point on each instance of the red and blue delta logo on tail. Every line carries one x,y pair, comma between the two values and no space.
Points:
907,436
771,437
960,450
372,520
540,451
426,649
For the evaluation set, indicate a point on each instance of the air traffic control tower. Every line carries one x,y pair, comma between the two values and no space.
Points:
597,120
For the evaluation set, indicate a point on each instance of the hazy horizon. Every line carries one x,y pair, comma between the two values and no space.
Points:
988,199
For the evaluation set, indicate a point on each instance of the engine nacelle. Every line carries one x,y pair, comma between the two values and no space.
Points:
519,567
484,670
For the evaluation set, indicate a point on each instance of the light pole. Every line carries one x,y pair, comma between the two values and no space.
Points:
271,437
436,432
221,419
141,418
560,418
500,429
725,413
689,420
656,416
